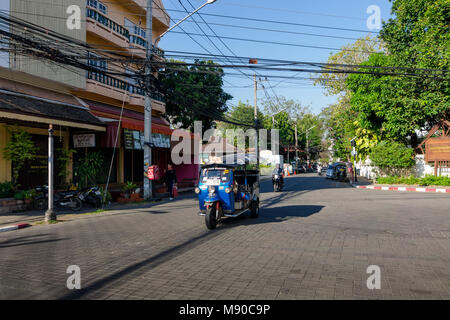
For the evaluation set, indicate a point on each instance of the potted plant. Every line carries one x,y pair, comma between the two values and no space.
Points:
29,197
128,189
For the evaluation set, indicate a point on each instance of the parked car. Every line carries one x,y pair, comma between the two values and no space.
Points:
330,171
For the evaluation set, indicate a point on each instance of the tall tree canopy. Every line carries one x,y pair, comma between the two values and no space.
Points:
340,120
395,107
194,93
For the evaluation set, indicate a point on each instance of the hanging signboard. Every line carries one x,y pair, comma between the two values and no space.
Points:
128,139
137,140
84,140
160,140
134,140
437,149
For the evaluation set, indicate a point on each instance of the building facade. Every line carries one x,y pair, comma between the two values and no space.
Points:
113,26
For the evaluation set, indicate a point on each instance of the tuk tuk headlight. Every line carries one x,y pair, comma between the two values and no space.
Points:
227,190
211,189
197,190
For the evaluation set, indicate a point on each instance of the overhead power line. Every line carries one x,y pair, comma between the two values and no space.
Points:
276,22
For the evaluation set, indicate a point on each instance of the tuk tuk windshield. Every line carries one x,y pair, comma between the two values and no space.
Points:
215,176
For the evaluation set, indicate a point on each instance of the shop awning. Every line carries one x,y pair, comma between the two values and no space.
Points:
111,129
17,106
132,120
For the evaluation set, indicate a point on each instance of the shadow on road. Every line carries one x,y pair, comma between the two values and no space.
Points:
27,240
275,214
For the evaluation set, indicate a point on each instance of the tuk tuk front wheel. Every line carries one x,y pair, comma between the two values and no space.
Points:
210,218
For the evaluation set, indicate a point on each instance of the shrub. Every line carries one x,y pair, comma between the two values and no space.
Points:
6,189
392,158
30,194
431,180
106,198
20,195
428,180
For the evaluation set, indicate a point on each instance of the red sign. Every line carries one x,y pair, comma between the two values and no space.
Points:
153,173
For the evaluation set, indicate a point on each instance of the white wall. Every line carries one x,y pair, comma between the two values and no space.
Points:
421,168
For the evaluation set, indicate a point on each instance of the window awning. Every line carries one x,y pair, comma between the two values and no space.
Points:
17,106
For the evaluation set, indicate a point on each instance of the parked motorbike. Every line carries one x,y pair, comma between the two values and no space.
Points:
277,183
66,199
91,196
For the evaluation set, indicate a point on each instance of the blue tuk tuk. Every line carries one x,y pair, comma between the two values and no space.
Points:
227,190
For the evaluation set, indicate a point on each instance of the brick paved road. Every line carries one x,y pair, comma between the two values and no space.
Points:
315,240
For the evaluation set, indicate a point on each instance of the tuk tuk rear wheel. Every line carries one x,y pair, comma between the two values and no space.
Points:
254,209
210,218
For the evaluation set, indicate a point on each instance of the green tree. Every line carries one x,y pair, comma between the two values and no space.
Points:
395,107
353,54
243,113
194,93
19,149
339,120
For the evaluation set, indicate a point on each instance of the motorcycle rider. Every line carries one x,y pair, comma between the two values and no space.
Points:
279,172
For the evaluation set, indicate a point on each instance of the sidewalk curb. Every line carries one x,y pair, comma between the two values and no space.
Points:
414,189
15,227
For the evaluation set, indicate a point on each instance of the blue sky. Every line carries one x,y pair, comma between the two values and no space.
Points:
350,14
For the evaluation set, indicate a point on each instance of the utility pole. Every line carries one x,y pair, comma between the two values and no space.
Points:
296,145
148,100
354,153
307,149
50,213
256,124
148,103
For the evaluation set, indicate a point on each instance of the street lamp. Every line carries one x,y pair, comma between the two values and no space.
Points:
274,114
190,14
148,100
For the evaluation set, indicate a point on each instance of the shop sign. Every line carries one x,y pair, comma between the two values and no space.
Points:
437,149
84,140
153,173
134,140
160,140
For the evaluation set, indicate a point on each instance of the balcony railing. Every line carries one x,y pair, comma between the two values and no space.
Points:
123,85
142,42
93,14
137,40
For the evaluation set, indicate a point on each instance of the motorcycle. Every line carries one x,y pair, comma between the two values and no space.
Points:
66,199
91,196
276,181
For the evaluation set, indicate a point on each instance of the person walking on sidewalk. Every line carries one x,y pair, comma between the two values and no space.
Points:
170,178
